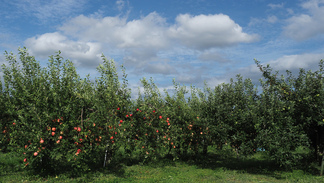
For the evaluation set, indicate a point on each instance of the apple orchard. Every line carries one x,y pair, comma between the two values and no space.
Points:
58,121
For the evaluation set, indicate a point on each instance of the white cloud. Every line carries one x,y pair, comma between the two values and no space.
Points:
275,6
287,62
258,21
215,81
272,19
82,53
49,11
208,31
312,4
149,31
141,42
290,11
305,26
294,62
160,68
188,79
120,4
211,55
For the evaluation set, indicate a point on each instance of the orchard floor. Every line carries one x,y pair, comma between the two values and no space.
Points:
211,168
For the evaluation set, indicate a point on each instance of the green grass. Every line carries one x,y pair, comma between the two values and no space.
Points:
211,168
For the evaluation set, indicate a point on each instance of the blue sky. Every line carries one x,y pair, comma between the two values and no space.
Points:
190,40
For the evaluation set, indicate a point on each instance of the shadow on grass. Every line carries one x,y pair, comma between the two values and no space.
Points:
215,160
257,164
118,166
9,164
9,161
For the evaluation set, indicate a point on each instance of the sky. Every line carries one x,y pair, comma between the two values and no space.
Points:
191,41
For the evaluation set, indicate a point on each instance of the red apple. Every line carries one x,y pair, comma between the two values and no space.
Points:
25,160
35,153
53,133
53,129
41,141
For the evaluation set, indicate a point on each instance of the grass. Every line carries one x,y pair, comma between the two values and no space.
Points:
214,167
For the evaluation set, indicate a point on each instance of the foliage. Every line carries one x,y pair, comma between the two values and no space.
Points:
57,121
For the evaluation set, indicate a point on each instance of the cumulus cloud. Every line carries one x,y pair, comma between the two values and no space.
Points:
201,32
208,31
82,53
304,26
142,41
148,31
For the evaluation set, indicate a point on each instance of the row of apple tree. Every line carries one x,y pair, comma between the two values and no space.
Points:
57,120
